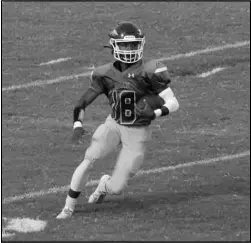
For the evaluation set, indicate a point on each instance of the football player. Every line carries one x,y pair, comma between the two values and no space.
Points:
124,81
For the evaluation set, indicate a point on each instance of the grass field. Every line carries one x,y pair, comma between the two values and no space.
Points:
199,202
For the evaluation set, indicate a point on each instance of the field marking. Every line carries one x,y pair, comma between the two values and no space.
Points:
22,225
45,82
215,70
55,61
207,50
7,235
173,57
140,173
25,225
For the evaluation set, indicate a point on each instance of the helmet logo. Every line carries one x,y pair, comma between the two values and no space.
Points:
114,33
129,37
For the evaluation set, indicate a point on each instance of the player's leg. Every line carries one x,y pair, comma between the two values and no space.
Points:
128,163
131,156
105,139
134,140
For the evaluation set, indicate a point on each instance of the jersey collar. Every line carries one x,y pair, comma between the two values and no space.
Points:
136,65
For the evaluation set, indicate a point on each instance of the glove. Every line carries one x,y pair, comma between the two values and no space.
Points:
77,134
146,112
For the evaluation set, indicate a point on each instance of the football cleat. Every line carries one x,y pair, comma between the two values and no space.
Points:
99,194
65,213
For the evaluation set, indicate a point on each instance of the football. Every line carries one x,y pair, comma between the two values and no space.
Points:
154,101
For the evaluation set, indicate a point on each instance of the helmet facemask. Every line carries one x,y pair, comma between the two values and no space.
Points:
128,56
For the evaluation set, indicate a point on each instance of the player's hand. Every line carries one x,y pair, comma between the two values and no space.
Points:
77,134
146,112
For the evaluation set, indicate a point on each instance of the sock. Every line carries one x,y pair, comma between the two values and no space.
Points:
70,202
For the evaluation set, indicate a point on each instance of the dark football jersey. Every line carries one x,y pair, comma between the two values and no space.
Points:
124,89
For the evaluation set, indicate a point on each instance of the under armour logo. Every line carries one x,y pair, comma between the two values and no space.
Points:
130,75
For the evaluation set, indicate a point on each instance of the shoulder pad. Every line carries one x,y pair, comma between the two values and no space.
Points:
101,70
154,66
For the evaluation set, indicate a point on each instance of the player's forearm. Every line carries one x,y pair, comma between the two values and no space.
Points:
78,113
171,105
78,116
79,109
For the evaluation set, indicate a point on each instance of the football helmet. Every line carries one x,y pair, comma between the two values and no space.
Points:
127,42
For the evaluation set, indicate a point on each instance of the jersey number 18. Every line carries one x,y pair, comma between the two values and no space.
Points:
123,106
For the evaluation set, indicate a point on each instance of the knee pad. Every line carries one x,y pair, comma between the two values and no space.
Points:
114,189
136,164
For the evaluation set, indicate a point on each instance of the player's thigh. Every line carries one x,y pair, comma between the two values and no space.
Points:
134,146
131,158
128,163
136,138
135,141
136,134
104,140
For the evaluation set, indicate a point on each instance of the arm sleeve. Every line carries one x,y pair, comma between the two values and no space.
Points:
170,100
160,78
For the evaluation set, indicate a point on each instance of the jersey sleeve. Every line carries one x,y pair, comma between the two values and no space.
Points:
96,82
160,78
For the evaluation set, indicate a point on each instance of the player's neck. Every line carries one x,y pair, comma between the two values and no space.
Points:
121,66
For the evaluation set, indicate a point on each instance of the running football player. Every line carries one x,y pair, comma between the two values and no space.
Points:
125,82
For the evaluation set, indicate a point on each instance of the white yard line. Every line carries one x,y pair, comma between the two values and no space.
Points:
45,82
140,173
55,61
7,235
207,50
215,70
174,57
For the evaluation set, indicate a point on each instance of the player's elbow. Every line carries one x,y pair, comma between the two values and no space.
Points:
176,104
81,104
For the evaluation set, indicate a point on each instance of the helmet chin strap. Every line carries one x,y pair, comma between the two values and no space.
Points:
108,46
